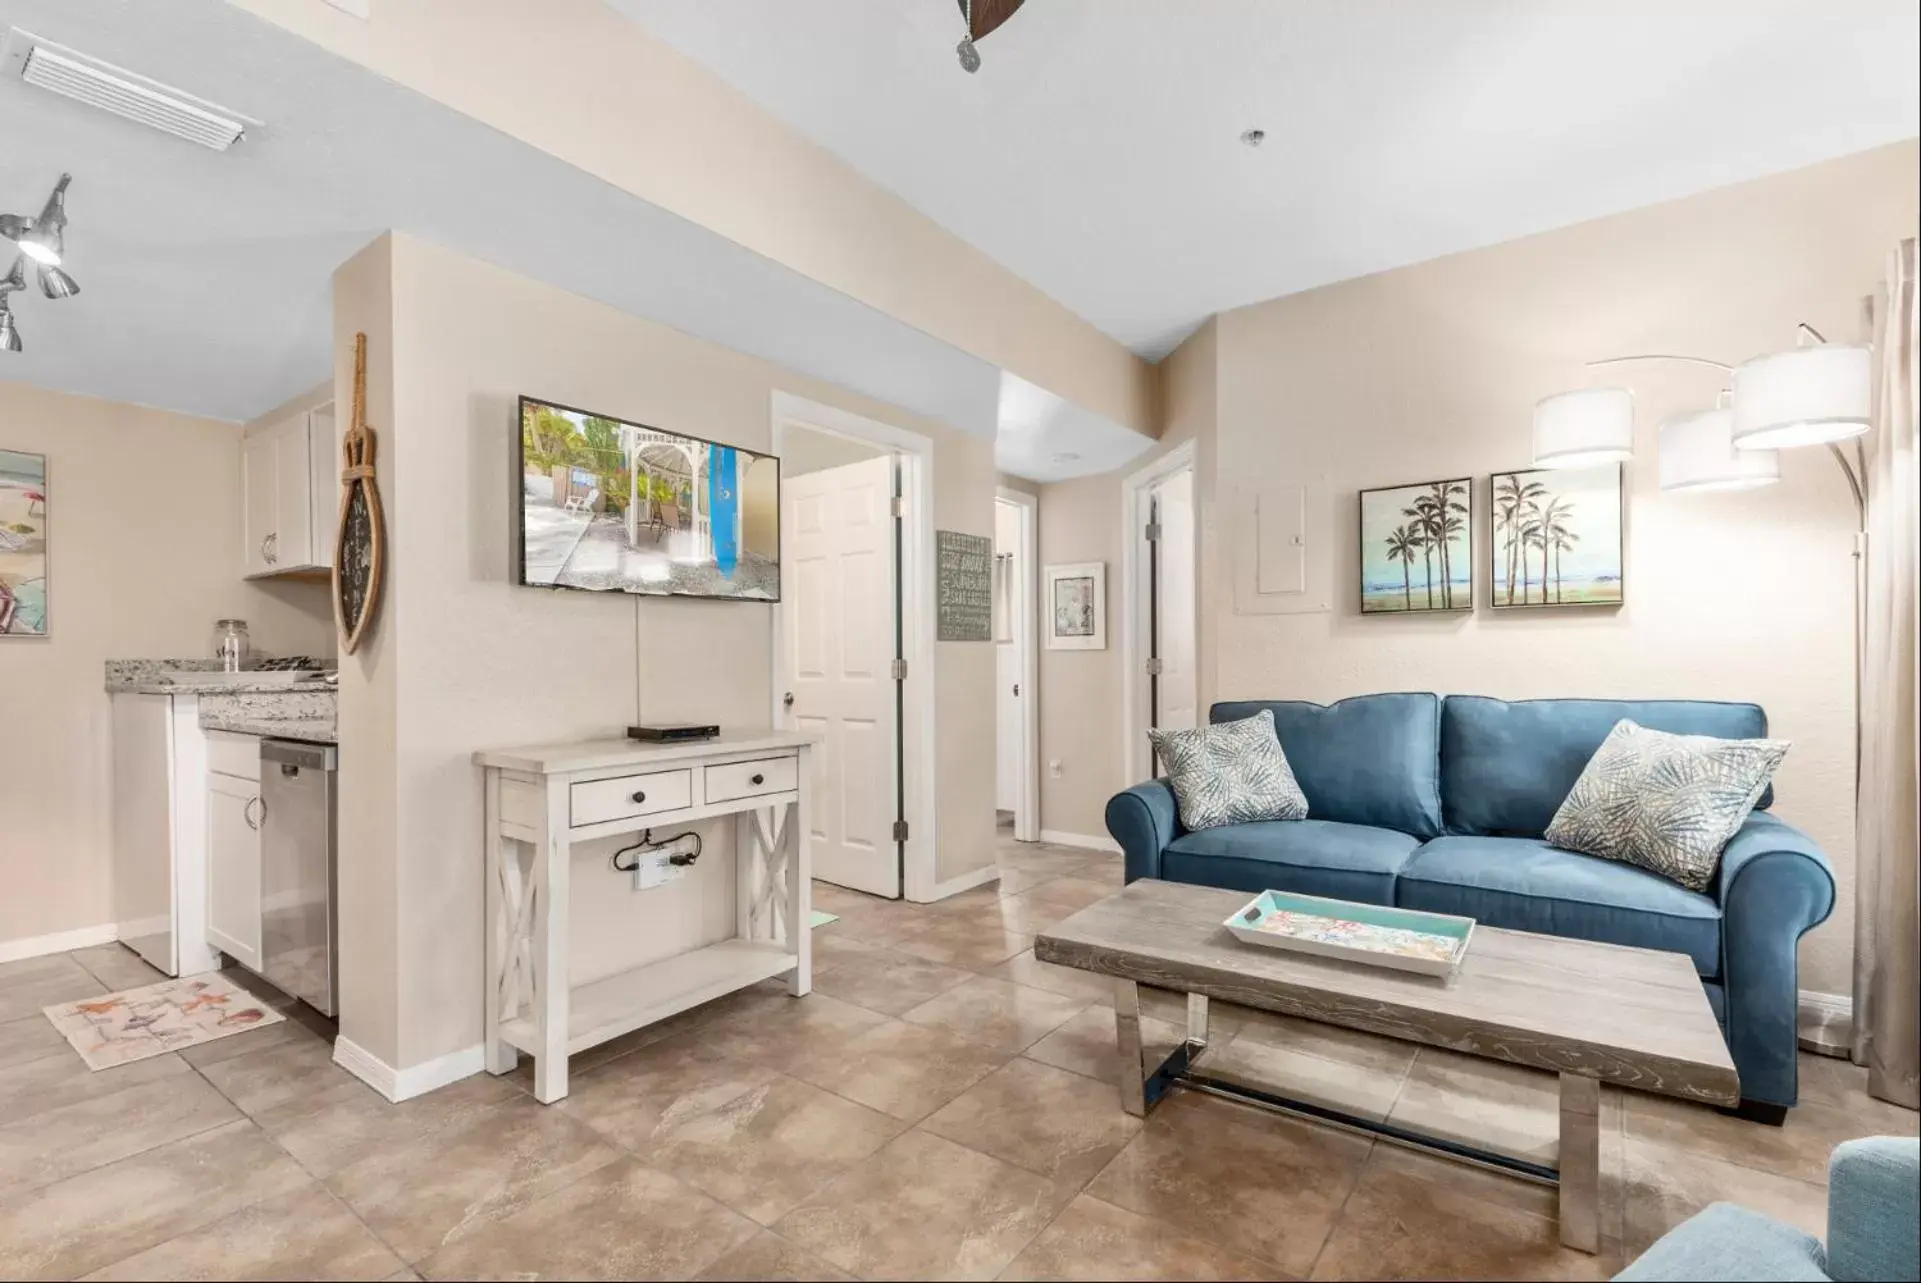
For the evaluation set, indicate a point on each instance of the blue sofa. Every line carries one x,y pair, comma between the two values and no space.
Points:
1441,804
1873,1233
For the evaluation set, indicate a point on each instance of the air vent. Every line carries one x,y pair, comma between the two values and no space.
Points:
124,93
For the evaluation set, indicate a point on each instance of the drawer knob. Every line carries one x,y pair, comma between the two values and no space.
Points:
758,779
640,797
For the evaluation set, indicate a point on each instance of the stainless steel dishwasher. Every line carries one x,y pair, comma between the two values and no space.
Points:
298,932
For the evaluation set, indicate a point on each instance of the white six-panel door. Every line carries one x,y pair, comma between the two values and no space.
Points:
837,592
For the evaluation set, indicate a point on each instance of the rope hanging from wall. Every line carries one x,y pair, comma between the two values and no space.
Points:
360,543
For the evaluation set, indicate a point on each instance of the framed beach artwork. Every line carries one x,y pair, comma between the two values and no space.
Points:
1557,537
23,544
1417,548
1077,606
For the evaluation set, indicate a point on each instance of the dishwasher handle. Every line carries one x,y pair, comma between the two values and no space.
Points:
319,757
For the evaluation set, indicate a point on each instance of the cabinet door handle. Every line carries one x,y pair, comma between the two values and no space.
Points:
270,548
758,779
640,797
246,813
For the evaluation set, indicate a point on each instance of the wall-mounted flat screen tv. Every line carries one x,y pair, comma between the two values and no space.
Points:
612,506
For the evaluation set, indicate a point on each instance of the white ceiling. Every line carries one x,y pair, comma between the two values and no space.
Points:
206,277
1097,152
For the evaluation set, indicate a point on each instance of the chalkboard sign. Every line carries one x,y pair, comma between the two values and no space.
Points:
964,588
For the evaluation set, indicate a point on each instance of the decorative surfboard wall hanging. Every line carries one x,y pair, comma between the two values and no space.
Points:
360,551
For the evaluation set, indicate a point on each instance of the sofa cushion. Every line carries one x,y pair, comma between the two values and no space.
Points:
1665,803
1313,857
1229,773
1371,760
1523,884
1506,766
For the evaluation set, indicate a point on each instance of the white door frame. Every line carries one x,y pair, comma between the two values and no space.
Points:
1137,760
1026,622
918,784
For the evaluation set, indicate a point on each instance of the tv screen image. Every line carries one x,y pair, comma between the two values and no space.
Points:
611,506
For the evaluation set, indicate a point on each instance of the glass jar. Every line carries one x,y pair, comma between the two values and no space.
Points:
230,644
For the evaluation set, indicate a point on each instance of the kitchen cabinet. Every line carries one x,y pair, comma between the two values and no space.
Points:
160,766
234,815
287,475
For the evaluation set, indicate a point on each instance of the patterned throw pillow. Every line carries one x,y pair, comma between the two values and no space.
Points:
1664,803
1230,773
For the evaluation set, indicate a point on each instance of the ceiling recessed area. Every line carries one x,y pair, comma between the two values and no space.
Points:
208,274
1098,153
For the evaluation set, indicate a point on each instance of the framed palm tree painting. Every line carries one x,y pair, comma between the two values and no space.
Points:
1417,548
1557,537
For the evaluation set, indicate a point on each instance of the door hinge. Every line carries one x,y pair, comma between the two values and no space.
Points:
898,506
899,670
1153,532
1154,667
900,830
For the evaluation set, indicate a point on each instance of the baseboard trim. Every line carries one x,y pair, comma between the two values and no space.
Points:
416,1080
365,1066
965,882
1085,841
58,942
1824,1023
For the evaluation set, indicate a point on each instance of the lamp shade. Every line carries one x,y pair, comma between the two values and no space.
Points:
1804,396
1575,429
1697,453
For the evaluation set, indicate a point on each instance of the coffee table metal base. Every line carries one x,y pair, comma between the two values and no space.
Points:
1578,1174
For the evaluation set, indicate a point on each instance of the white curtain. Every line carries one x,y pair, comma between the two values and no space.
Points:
1887,959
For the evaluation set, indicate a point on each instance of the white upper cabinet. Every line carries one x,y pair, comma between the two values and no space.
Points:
287,477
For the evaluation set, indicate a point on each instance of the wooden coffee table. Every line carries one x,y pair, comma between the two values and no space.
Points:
1593,1013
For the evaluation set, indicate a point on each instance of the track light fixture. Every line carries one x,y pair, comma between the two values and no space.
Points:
44,241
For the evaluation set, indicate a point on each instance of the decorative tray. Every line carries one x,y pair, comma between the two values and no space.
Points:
1376,934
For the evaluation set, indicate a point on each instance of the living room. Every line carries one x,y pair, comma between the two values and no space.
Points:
1391,507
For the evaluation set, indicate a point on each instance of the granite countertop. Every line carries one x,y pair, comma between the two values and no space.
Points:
250,721
164,687
155,677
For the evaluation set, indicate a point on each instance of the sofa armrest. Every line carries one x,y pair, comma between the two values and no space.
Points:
1144,819
1763,835
1873,1187
1775,885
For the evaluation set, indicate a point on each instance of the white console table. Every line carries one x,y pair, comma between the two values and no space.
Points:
542,800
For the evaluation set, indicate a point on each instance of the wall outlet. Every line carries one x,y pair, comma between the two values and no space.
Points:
657,868
1054,768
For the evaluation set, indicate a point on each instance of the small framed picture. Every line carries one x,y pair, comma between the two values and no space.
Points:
1077,606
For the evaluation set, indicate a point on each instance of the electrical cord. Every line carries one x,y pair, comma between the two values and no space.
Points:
647,843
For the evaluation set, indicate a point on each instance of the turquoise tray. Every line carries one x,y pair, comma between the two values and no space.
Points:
1375,934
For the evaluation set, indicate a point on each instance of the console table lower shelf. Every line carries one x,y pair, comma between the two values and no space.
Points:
541,801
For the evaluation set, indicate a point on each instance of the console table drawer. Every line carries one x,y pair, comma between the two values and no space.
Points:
751,779
627,796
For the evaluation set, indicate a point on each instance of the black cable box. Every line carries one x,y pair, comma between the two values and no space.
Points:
671,734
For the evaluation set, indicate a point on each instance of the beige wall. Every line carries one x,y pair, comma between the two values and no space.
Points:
803,452
1082,718
1431,371
635,112
144,554
465,659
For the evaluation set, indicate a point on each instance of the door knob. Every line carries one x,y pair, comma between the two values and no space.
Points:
787,700
1017,690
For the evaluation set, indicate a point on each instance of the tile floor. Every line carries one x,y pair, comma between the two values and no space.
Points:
938,1108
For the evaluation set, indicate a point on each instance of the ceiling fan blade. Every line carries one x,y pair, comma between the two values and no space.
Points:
989,15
